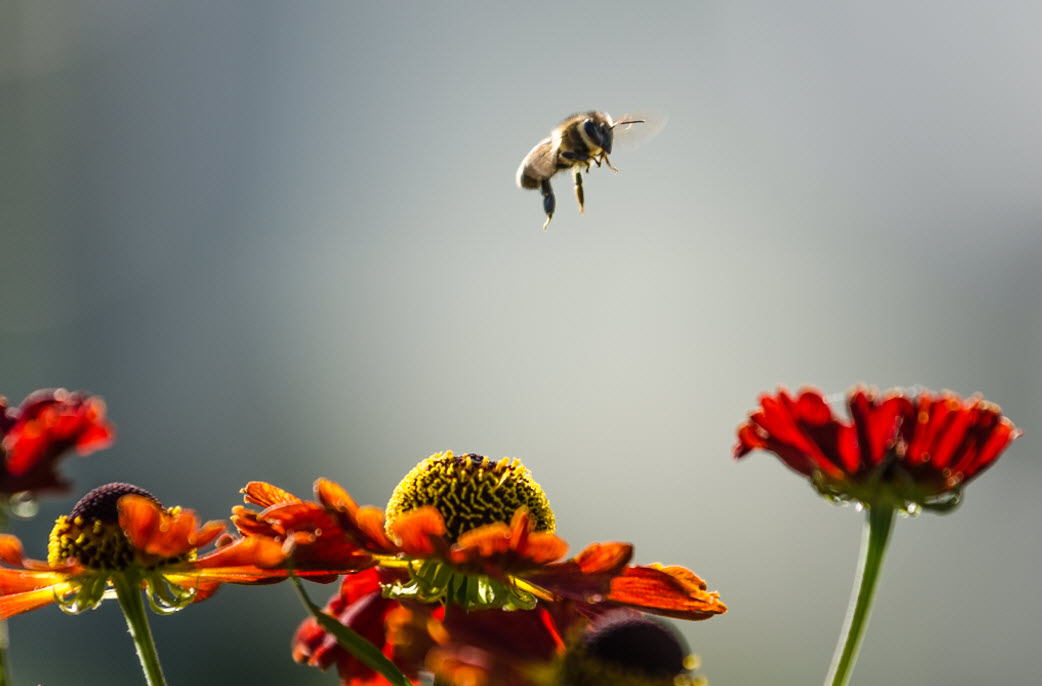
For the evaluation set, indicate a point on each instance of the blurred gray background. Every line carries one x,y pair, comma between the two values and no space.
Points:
283,241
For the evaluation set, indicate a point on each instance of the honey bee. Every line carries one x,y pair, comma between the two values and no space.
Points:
577,142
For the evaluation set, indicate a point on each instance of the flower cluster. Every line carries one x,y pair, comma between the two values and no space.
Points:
463,574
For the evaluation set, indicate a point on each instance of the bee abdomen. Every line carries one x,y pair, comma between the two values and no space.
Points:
526,180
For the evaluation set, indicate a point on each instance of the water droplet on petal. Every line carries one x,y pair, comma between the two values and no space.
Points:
24,505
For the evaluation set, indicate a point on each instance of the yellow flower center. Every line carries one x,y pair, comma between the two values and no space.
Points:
91,533
470,491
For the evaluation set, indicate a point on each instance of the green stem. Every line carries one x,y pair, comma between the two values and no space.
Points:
878,524
4,641
128,591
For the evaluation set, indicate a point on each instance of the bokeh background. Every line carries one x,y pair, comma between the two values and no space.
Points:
283,241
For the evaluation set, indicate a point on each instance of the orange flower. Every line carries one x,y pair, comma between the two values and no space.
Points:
510,561
463,531
42,429
906,452
119,530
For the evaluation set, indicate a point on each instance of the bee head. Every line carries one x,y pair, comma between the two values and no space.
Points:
599,131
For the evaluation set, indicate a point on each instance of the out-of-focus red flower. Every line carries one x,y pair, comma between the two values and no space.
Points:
119,529
899,450
48,424
402,631
543,648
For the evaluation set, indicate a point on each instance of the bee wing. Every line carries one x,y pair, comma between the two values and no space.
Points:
646,124
540,163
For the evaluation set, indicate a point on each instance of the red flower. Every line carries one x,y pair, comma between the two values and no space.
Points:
402,631
898,450
44,427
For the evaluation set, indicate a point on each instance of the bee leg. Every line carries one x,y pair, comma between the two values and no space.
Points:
608,162
579,189
549,202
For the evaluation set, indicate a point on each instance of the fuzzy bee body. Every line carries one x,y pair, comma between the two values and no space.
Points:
577,142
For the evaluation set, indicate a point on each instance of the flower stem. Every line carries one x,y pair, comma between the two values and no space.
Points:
4,640
128,592
878,524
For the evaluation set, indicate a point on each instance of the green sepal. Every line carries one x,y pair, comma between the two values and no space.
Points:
438,582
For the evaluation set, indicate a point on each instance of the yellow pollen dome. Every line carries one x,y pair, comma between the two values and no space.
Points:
470,491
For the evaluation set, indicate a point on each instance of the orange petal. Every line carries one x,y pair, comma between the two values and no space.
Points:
599,558
205,534
11,550
416,529
540,547
669,591
266,495
333,495
152,530
139,517
20,580
244,552
485,541
16,603
370,522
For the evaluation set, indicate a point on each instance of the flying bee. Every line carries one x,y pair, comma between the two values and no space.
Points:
577,142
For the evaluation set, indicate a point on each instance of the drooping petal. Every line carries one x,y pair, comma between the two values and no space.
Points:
669,591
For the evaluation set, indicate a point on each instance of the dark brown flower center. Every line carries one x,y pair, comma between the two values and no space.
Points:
100,504
629,649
